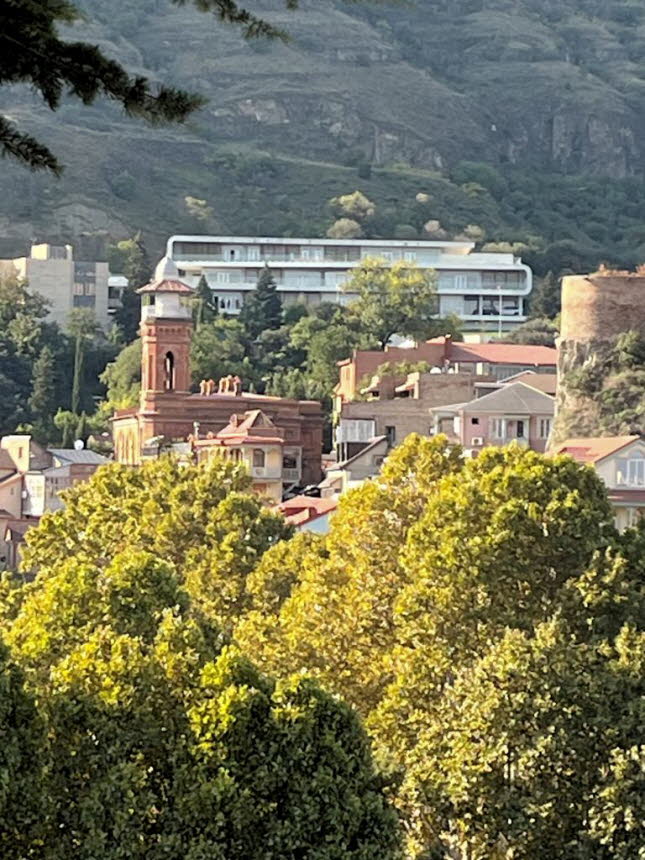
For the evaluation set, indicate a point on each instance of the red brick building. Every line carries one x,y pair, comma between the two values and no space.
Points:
168,410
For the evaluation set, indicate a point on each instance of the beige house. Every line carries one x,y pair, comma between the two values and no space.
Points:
254,440
51,271
620,462
31,480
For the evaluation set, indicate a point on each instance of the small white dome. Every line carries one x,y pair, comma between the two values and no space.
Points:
166,270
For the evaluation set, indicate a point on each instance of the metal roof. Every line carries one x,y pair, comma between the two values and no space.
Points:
84,456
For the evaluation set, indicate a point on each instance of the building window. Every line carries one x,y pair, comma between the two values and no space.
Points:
636,471
474,420
258,458
544,428
289,461
471,305
390,434
510,305
633,516
498,428
169,372
490,306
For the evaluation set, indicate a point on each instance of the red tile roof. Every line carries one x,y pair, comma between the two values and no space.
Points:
305,509
502,353
546,382
593,449
168,285
253,426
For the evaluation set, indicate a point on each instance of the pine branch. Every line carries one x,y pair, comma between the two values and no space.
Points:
31,52
26,149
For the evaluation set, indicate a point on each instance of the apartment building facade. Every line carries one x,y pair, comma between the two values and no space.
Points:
66,283
515,412
486,290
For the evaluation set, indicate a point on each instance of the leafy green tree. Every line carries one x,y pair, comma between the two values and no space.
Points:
345,228
355,205
22,804
262,308
350,584
162,740
327,336
24,335
219,348
539,330
203,520
397,299
81,68
205,304
539,717
122,377
65,421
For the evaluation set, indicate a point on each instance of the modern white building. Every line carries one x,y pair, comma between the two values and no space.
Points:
486,290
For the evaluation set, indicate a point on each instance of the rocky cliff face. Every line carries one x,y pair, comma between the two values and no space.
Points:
534,83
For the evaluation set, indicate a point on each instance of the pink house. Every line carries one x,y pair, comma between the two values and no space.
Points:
514,413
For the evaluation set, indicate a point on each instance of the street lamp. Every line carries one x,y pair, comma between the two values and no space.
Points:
499,311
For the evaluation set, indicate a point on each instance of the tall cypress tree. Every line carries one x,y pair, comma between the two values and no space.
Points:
205,303
43,390
77,383
82,326
262,309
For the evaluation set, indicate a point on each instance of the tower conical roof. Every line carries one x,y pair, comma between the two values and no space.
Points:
166,279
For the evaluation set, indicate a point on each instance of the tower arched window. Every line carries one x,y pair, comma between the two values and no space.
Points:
169,372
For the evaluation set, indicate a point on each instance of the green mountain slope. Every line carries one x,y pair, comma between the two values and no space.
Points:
550,94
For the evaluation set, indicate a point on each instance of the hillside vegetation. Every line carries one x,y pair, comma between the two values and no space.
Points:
524,117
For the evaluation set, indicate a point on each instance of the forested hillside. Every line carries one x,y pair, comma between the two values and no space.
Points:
524,117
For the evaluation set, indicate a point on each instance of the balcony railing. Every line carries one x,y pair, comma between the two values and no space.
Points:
291,474
270,473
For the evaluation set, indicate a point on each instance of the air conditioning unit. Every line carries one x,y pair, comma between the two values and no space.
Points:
477,441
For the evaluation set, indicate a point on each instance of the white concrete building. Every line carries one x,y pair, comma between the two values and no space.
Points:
51,271
486,290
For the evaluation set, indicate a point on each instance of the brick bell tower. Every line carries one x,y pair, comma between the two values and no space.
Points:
166,329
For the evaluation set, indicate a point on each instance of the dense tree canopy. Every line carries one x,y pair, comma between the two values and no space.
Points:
152,737
474,612
163,742
201,519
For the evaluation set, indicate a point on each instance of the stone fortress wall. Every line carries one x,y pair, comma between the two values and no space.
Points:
596,309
